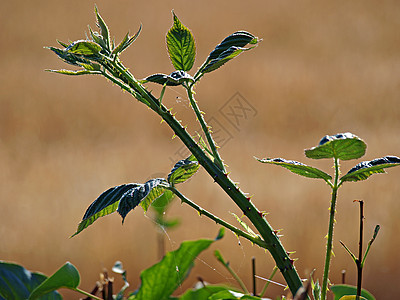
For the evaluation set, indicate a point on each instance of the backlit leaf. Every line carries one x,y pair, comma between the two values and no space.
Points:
225,56
105,204
83,47
367,168
297,168
16,282
183,170
181,46
344,146
143,194
65,277
163,278
229,48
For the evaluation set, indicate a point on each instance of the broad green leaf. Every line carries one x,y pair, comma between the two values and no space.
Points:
173,79
225,56
344,146
183,170
365,169
161,203
16,282
297,168
83,47
341,290
74,73
65,277
163,278
103,29
238,39
352,298
105,204
181,46
143,194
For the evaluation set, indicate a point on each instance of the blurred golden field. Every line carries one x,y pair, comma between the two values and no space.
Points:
322,68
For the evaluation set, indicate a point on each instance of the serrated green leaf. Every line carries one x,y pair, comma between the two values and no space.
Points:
103,29
297,168
143,194
341,290
181,46
84,47
65,277
105,204
344,146
162,279
365,169
237,40
16,282
183,170
74,73
225,56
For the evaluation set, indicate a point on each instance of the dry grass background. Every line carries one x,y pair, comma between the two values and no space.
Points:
322,68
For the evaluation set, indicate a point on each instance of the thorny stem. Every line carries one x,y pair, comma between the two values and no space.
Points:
332,211
256,240
205,128
272,242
